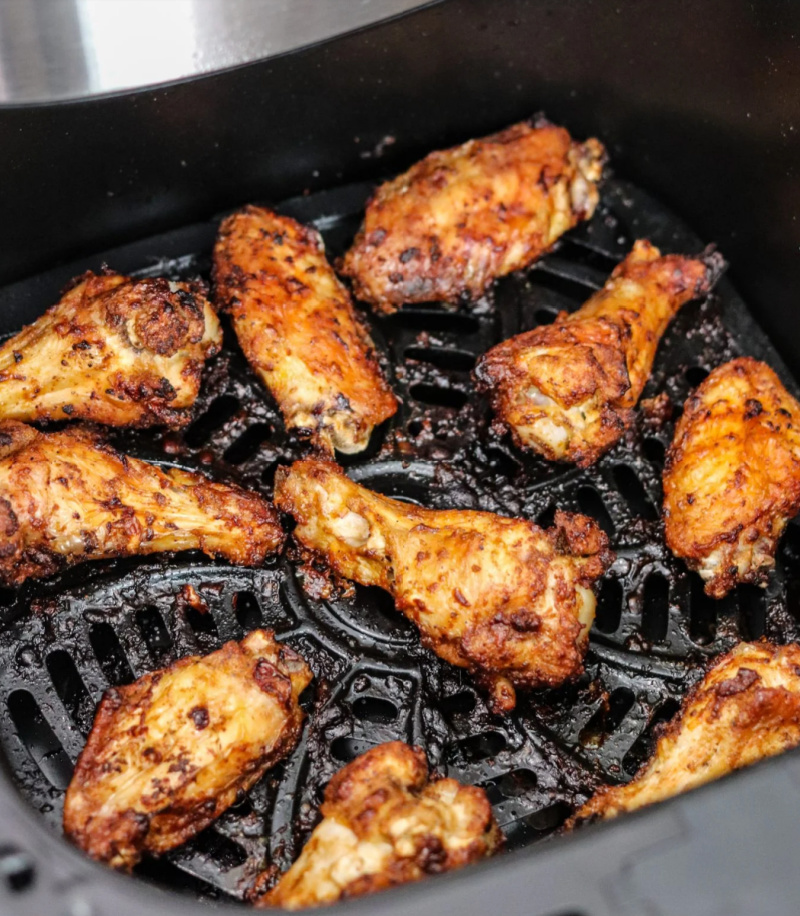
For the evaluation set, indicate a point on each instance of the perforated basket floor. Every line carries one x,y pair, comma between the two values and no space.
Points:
64,641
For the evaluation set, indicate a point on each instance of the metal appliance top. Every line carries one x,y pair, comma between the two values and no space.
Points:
55,50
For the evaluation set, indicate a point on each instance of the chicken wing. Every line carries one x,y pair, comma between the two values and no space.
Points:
65,497
567,389
170,752
113,350
385,823
462,217
746,708
732,475
298,328
499,596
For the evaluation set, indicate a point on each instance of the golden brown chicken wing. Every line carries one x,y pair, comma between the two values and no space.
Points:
385,823
65,497
567,389
499,596
732,476
113,350
298,328
462,217
170,752
746,708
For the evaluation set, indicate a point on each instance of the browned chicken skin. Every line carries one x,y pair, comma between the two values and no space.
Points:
746,708
385,823
65,497
172,751
298,328
499,596
462,217
114,350
567,389
732,476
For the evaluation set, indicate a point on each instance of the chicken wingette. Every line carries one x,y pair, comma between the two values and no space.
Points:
462,217
66,497
172,751
732,475
386,823
114,350
747,707
297,326
566,390
499,596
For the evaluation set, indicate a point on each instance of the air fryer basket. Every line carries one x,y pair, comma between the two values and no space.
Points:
438,76
65,641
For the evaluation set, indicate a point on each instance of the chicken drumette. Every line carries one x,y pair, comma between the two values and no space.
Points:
170,752
298,328
747,707
567,389
65,497
732,477
499,596
385,823
462,217
114,350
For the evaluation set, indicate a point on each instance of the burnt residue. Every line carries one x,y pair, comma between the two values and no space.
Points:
63,641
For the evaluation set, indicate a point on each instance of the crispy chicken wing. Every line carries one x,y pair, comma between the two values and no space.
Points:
462,217
747,707
65,497
567,389
732,476
499,596
113,350
170,752
385,823
298,328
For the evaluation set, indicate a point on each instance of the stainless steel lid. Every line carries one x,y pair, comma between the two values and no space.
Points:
52,50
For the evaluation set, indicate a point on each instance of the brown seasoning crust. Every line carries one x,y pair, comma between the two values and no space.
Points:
172,751
567,389
732,475
297,326
386,823
746,708
464,216
114,350
498,596
65,497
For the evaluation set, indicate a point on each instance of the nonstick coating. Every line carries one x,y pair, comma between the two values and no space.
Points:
66,639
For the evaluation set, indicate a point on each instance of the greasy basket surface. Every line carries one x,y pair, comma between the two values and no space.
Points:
65,640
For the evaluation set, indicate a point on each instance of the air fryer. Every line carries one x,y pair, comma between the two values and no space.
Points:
697,104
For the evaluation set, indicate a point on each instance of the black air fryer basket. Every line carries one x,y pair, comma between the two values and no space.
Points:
698,106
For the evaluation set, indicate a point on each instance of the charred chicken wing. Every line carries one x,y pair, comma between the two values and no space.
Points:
747,707
65,497
499,596
462,217
298,328
567,389
170,752
113,350
385,823
732,476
